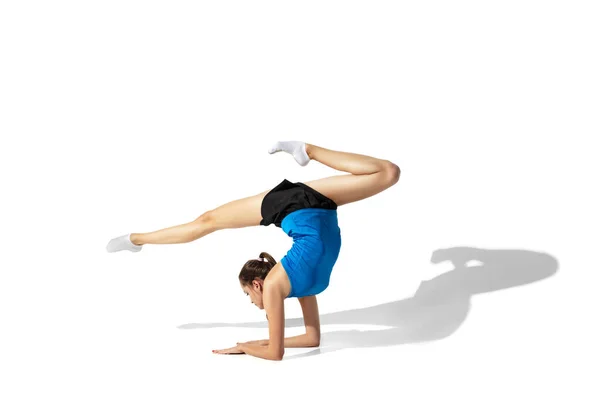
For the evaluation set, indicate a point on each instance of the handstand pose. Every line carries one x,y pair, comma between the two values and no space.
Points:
304,211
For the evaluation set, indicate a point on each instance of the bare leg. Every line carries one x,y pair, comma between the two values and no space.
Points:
235,214
368,175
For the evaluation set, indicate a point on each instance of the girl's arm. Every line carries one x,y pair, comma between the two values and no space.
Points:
312,337
303,340
273,298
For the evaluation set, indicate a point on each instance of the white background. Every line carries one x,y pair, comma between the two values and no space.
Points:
476,276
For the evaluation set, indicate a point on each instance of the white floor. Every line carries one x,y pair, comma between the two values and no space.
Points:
475,277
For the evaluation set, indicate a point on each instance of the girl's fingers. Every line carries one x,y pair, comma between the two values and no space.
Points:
225,351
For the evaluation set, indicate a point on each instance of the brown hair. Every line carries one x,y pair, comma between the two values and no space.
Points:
254,269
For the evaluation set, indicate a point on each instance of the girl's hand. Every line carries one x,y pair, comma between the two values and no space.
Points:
231,350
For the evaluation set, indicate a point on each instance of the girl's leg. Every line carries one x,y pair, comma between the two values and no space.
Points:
235,214
368,175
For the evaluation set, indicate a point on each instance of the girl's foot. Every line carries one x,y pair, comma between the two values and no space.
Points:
122,243
295,148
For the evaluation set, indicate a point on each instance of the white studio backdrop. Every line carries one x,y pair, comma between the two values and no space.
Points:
475,276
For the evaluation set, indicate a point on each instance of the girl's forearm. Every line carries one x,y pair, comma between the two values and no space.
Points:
260,351
294,341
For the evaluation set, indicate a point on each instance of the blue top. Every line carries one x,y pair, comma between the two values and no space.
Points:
317,243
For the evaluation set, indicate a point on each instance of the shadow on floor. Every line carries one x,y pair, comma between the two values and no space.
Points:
438,307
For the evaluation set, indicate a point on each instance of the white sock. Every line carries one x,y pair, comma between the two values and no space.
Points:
122,243
295,148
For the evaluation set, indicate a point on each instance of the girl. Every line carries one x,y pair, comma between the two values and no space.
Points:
304,211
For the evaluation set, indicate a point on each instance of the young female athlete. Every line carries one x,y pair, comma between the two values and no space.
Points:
304,211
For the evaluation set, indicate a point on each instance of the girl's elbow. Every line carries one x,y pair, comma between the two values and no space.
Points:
278,355
314,341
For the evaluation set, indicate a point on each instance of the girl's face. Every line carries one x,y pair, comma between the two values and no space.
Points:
254,291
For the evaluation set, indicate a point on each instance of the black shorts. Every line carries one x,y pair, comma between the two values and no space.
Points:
288,197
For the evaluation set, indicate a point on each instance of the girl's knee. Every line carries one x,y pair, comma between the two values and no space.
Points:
207,218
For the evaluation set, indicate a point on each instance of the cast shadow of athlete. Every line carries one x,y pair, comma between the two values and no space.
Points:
438,307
